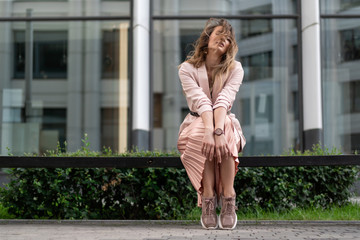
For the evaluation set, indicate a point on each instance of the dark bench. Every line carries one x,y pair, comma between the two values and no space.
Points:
174,162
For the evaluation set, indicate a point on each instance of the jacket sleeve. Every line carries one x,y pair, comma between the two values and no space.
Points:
227,95
196,98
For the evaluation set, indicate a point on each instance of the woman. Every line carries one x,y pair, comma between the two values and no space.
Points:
210,137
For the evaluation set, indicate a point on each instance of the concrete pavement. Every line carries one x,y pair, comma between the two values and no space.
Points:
156,230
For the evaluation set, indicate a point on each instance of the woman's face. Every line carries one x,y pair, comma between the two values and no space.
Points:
218,43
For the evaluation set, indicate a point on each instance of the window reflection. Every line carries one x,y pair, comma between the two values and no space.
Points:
110,54
348,4
351,97
341,82
250,28
259,66
350,44
221,7
50,54
340,6
266,104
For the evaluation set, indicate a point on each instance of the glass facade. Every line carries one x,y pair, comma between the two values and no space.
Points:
80,78
220,7
82,72
341,75
344,7
266,105
341,82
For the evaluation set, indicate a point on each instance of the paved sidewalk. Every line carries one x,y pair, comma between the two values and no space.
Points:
156,230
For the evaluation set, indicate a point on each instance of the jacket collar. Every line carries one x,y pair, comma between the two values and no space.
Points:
204,83
203,80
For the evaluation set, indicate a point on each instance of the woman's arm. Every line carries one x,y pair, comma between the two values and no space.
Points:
208,146
195,96
199,102
221,145
227,95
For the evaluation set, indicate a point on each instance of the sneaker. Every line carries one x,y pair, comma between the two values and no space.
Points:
228,217
209,219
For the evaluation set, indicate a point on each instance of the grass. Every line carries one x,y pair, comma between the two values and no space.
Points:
4,213
348,212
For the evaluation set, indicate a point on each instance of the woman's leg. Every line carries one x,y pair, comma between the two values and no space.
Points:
209,219
208,181
228,217
227,173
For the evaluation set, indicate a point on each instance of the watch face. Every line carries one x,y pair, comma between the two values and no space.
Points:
218,131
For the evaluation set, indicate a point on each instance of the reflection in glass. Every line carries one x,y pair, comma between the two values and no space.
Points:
340,6
110,56
266,104
69,8
250,28
220,7
341,82
350,44
50,54
80,85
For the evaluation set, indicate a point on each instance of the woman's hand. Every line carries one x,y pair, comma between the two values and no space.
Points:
208,146
221,147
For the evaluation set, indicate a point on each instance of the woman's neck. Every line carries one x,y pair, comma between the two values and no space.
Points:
211,61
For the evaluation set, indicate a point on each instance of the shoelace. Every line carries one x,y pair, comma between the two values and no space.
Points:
209,206
229,206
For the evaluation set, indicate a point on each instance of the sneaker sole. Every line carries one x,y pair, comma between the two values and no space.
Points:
224,228
209,228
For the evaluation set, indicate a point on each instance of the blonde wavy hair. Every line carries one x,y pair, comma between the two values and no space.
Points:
198,56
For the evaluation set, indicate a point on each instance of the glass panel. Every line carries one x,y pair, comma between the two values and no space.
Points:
61,8
341,82
266,105
220,7
340,6
50,54
69,96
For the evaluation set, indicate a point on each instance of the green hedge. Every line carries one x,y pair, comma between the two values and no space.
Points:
100,193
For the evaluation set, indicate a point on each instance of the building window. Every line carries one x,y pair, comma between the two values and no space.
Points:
262,9
294,107
53,126
264,108
350,44
347,4
245,111
158,110
255,27
50,54
187,39
110,54
351,142
251,28
295,60
110,128
354,97
351,97
259,66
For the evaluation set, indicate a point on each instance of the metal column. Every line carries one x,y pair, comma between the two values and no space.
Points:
311,71
141,75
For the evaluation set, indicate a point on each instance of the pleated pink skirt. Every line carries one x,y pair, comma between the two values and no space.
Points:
189,145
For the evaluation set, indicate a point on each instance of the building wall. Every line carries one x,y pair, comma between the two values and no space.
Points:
93,96
82,93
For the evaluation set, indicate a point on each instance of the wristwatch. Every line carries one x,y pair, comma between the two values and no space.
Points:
218,132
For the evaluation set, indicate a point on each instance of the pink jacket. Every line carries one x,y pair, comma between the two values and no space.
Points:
195,85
